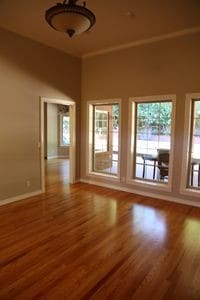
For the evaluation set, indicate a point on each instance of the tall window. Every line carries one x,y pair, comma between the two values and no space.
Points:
194,149
152,139
104,138
64,130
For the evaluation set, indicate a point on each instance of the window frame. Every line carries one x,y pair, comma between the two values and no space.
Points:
61,130
89,139
186,154
131,153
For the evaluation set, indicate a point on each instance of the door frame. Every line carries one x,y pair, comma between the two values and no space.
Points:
72,147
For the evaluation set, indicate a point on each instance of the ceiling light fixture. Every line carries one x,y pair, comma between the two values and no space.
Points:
70,18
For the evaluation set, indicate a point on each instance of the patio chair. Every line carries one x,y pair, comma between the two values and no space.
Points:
163,163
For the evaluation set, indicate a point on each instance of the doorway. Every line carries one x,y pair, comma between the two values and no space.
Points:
63,111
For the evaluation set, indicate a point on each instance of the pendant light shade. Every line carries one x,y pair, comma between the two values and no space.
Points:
70,18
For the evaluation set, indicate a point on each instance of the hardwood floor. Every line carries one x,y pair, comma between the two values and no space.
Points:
88,242
57,171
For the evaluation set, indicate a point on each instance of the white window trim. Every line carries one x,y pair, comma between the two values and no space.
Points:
142,182
89,127
184,189
61,131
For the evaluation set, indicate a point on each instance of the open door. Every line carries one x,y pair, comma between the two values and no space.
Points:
72,146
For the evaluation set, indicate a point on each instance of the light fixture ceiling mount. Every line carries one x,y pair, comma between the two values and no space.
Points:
70,18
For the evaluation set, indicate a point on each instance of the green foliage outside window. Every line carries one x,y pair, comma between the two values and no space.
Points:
115,113
155,117
197,118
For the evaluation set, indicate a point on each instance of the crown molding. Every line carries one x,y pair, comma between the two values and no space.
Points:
143,42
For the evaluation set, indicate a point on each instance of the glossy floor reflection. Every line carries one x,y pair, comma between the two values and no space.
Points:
57,171
87,242
150,222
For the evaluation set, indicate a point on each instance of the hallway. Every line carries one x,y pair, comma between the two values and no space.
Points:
56,171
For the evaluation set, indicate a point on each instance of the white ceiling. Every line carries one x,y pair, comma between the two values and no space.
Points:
119,22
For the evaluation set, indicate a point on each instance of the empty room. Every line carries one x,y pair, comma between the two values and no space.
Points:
100,149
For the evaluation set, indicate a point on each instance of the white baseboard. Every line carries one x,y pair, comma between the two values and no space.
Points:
20,197
151,195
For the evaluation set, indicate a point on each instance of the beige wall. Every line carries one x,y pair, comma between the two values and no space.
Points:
166,67
29,70
52,130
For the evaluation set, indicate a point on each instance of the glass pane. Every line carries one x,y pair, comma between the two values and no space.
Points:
65,130
196,129
142,124
194,167
197,109
142,142
142,110
101,131
153,139
105,138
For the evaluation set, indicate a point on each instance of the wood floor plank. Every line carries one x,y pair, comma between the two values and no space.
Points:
87,242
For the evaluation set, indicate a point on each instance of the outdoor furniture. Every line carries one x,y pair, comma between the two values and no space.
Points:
163,163
160,160
149,157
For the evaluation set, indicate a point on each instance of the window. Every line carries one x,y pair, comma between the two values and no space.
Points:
64,130
104,139
152,122
101,131
194,146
